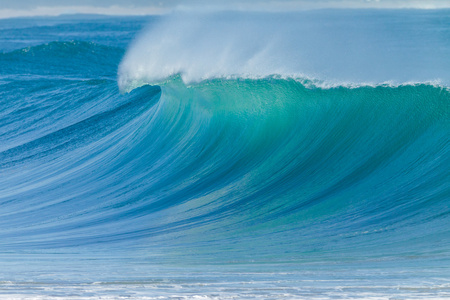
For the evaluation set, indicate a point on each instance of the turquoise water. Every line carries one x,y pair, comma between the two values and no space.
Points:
146,158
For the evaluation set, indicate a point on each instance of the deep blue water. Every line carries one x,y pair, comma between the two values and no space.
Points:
232,156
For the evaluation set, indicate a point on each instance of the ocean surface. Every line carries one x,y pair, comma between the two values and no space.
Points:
227,155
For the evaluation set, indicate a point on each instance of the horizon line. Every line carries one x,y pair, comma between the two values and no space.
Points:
116,10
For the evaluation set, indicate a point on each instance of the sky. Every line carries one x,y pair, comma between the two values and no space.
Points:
16,8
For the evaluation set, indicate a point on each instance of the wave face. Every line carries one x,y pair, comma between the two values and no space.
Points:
222,182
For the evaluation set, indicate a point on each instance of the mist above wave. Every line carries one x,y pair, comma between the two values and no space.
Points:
335,46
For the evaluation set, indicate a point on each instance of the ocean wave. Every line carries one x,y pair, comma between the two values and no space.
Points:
232,160
298,155
228,148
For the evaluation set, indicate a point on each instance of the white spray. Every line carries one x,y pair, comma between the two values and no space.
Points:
332,46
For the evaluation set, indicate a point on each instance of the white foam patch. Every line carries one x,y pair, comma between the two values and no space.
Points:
313,290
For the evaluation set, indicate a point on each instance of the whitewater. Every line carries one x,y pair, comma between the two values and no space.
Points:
226,155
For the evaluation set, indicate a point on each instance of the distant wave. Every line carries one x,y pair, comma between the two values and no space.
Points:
74,58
